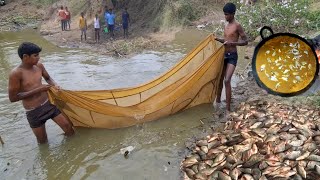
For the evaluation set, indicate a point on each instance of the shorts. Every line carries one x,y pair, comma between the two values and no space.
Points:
231,58
38,116
111,27
83,31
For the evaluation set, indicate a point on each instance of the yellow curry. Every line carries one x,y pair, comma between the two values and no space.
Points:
286,64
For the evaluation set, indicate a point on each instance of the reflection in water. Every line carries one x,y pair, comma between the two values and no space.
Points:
93,153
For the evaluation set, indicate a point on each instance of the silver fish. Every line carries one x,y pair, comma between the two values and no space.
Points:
189,162
303,156
317,168
313,158
190,173
247,177
235,173
208,171
200,176
202,143
302,172
256,173
223,176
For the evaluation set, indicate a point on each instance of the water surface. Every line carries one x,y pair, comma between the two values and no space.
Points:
94,153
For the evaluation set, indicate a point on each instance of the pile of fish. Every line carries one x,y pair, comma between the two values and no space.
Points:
260,141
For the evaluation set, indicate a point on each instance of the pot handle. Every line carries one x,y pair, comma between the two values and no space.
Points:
263,29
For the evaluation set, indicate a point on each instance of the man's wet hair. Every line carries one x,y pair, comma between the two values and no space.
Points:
28,48
229,8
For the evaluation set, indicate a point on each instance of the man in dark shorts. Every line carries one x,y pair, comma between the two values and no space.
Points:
39,115
25,83
231,58
233,31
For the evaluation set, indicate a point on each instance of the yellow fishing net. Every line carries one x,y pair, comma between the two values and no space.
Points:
193,81
285,65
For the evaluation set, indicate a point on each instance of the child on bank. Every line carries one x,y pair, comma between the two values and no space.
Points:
68,18
96,23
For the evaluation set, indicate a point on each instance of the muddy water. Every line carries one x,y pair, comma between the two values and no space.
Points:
95,153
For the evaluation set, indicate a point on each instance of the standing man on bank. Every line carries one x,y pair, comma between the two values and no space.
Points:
83,26
234,36
125,22
110,18
62,18
68,18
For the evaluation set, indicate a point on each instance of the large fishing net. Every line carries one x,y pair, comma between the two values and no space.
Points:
193,81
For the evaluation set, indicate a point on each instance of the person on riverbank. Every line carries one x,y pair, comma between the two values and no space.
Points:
62,18
25,83
110,18
68,18
125,22
234,36
83,26
96,23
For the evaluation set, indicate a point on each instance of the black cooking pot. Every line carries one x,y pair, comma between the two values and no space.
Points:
284,64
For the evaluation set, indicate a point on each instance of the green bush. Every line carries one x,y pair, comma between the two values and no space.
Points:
186,11
282,16
180,12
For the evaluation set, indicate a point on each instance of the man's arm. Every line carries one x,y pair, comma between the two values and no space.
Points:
220,40
14,88
243,37
46,75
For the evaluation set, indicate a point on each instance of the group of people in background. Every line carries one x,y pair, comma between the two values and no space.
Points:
109,19
65,18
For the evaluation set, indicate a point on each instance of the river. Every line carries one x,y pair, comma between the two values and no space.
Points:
95,153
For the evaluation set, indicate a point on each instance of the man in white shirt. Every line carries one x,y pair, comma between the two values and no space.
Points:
96,22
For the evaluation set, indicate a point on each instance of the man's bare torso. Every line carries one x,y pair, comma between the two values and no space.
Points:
231,34
31,79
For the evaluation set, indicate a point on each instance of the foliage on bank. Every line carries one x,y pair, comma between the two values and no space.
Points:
292,16
179,13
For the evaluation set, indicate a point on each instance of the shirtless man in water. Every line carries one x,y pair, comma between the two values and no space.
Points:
25,84
233,31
